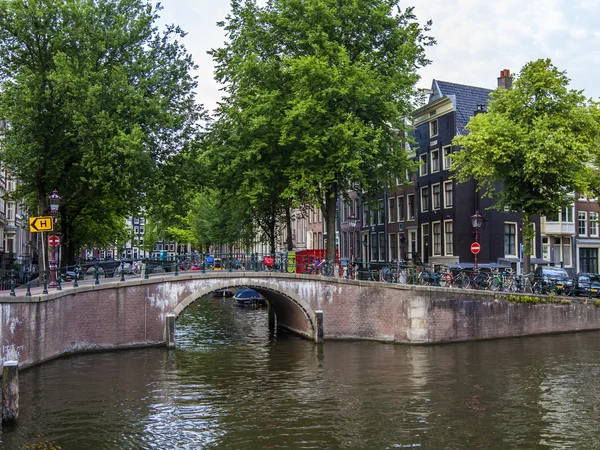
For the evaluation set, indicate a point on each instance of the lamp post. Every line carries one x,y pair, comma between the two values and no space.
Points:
352,223
477,222
54,202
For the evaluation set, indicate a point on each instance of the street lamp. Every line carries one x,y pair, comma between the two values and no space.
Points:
54,202
352,223
477,222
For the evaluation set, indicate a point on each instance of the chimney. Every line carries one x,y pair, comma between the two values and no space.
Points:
505,80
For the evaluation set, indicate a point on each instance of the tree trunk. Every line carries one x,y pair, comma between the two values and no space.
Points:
528,236
288,225
330,208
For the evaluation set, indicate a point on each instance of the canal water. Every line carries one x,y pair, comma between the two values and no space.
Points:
231,384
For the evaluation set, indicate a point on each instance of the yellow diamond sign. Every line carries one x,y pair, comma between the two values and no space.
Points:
38,224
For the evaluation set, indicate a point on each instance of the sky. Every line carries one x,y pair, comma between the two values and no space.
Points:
476,39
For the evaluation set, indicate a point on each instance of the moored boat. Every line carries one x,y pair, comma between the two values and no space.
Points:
248,297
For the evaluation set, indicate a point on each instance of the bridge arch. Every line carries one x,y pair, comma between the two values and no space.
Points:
291,311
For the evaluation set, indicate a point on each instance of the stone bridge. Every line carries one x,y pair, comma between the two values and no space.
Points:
138,312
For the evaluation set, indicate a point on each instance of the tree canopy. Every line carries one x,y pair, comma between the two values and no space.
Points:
97,100
535,147
315,96
539,139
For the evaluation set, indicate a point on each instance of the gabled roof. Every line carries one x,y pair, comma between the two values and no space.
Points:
465,99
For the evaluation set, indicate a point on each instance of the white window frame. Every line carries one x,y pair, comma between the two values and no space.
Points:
433,197
414,207
593,224
582,223
391,205
448,238
433,159
423,166
434,128
446,160
400,209
424,208
514,225
392,245
446,203
437,238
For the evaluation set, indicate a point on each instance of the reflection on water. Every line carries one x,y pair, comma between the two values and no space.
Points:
231,384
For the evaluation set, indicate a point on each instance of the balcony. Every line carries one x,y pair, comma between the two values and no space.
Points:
557,228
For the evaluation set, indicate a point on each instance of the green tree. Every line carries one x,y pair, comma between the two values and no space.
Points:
316,93
536,145
97,100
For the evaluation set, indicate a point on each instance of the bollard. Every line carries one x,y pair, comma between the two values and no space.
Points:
76,278
28,275
318,326
12,282
45,291
96,274
170,330
123,269
10,391
176,265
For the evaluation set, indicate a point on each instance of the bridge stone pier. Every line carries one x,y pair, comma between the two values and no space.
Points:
136,312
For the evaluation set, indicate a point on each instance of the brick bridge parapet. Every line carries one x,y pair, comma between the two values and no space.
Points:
134,312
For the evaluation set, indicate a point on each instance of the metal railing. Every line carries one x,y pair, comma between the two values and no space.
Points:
398,272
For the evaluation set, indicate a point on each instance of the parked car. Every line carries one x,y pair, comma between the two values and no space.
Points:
553,279
588,284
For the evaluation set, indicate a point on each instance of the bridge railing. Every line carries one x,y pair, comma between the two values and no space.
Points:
307,262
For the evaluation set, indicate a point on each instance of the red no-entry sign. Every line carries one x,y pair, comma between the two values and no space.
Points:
475,247
53,241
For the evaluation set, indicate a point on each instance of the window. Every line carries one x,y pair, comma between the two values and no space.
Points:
365,215
381,212
436,227
423,166
392,209
594,224
448,238
381,246
435,196
136,220
171,247
433,128
425,242
373,246
10,210
568,214
545,248
566,251
510,239
401,212
410,177
392,247
136,230
582,223
448,194
410,201
435,161
447,161
412,244
425,199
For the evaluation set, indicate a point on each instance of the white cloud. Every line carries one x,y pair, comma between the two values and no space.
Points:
476,39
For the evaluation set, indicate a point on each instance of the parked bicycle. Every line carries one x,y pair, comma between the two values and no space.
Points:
320,267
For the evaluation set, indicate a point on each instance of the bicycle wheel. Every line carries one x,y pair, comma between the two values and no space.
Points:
424,278
496,285
446,280
462,281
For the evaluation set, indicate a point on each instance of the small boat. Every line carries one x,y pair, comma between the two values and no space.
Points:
249,297
223,293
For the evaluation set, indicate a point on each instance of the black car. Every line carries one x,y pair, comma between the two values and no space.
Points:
588,284
550,279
